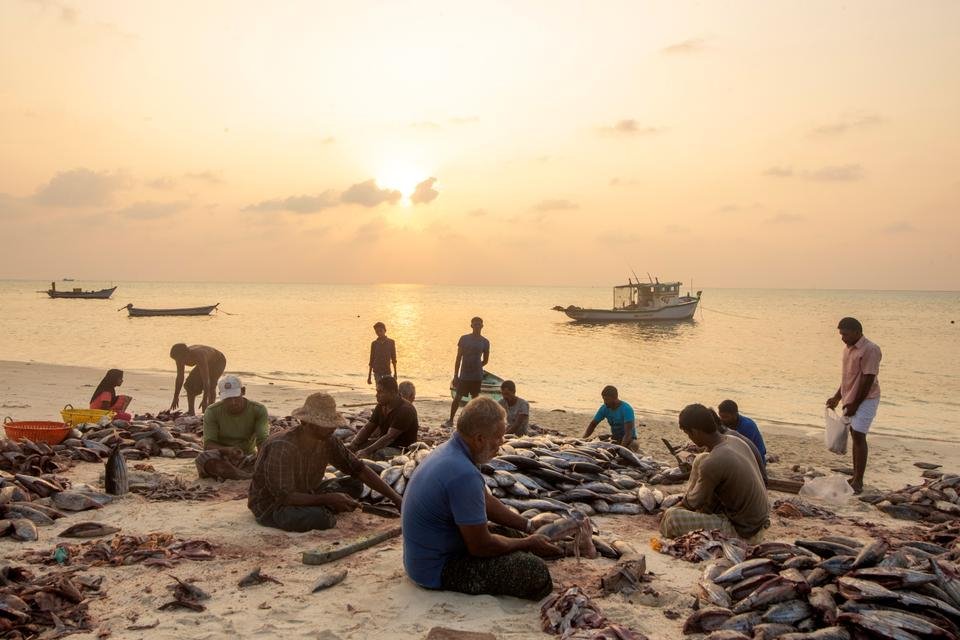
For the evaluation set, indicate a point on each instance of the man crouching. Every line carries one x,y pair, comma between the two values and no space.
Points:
286,491
446,540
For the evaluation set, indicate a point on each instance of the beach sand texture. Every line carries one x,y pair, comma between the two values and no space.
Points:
376,599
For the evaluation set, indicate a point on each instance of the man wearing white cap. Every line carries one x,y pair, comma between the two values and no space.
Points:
288,490
233,429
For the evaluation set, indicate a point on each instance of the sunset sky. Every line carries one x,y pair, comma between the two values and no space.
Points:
743,144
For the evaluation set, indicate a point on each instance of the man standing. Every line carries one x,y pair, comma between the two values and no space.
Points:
286,491
383,354
725,490
208,365
473,353
393,425
619,415
731,419
518,409
859,391
233,429
446,540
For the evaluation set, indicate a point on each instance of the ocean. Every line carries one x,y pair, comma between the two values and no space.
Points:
776,352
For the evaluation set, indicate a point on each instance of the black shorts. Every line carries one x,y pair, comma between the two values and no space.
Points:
468,388
193,385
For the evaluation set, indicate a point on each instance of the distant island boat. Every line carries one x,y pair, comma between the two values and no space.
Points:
134,312
77,292
641,302
489,387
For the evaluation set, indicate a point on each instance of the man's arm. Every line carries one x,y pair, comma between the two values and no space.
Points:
590,427
393,357
519,424
370,365
499,513
456,363
178,385
211,433
627,433
866,383
486,355
483,544
383,441
834,400
361,438
700,492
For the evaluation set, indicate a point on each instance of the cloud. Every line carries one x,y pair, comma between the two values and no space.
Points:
209,177
465,120
368,194
692,45
623,182
10,206
630,128
80,188
836,173
619,237
152,210
785,218
298,204
555,205
846,124
676,228
426,125
368,233
164,183
729,208
425,193
899,227
779,172
477,213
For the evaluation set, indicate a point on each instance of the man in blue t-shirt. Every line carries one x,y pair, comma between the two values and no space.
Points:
619,415
446,508
473,353
730,416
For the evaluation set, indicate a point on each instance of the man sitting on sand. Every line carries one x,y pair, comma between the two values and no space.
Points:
407,391
393,425
619,415
518,409
233,428
725,490
730,417
446,540
287,489
208,365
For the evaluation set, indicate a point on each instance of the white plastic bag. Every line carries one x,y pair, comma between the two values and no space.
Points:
835,434
833,489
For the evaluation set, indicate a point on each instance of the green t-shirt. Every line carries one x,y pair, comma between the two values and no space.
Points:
245,430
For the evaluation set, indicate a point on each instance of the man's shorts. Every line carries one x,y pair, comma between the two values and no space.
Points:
468,387
863,418
193,385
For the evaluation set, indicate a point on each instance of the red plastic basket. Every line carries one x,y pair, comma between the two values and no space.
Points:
36,430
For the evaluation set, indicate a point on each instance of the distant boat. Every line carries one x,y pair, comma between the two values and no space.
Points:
641,302
77,292
134,312
489,387
68,279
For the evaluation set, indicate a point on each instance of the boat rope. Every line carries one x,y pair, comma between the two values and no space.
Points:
219,310
727,313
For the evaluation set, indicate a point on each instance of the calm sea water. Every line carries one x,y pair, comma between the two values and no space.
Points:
776,352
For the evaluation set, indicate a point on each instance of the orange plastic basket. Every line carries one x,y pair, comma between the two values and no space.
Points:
36,430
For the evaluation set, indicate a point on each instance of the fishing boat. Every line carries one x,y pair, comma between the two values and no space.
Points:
134,312
653,301
489,387
77,292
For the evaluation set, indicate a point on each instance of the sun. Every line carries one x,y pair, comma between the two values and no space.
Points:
403,178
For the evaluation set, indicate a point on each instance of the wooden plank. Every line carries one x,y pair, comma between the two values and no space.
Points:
782,484
323,557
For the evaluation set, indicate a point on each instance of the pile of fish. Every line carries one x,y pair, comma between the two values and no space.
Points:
700,545
30,458
136,440
945,534
175,488
832,588
50,606
794,507
534,475
571,614
27,502
155,549
936,500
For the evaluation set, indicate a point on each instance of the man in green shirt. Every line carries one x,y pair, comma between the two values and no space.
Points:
233,429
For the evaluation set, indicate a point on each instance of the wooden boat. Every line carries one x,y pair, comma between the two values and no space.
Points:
77,292
641,302
489,387
134,312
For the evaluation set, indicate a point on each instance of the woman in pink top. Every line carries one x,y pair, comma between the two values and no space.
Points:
105,397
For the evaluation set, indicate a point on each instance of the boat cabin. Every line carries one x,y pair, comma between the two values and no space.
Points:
645,295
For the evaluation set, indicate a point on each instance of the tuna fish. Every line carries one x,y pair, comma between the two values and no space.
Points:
115,474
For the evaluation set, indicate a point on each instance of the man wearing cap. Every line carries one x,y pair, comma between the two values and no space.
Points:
233,429
393,425
287,490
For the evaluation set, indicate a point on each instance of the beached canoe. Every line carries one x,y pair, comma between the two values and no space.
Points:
134,312
489,387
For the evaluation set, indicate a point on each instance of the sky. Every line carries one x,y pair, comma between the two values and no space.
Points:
810,144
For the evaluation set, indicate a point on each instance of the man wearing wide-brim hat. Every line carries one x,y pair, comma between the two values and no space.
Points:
285,492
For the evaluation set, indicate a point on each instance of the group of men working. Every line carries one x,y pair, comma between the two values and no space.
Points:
447,511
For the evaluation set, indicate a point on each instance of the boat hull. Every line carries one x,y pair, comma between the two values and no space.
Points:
102,294
489,387
149,313
672,313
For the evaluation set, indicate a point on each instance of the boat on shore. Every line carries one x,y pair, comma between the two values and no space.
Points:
77,292
135,312
641,302
489,387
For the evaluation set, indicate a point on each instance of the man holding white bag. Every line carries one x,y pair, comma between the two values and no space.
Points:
859,391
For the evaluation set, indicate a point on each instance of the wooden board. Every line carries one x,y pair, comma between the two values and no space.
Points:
782,484
323,556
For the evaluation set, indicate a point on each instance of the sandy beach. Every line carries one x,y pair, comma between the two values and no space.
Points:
376,599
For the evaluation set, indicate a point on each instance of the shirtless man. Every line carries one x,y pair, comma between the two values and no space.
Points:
208,365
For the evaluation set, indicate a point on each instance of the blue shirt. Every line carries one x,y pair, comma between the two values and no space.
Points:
747,427
472,349
617,418
445,491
